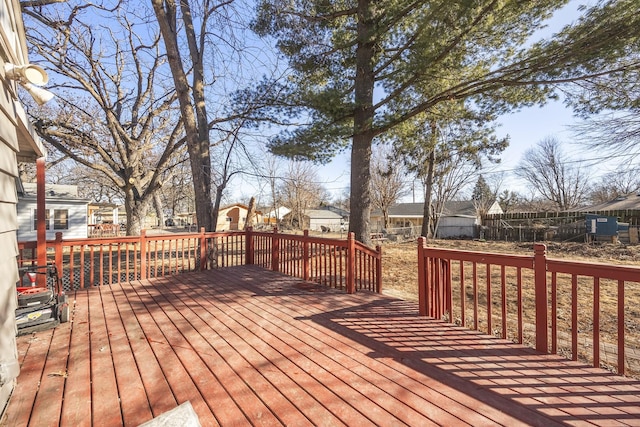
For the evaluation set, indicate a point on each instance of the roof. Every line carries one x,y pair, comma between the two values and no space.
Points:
416,210
53,192
322,214
628,202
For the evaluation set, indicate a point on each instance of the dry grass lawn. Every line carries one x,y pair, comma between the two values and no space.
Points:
400,279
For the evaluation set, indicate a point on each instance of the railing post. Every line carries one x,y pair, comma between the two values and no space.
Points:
249,249
203,250
540,277
351,263
305,255
58,254
143,254
379,269
275,250
422,278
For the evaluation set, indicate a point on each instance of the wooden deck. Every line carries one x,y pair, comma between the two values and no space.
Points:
252,347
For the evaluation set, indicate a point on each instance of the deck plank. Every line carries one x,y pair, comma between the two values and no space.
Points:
158,391
32,352
251,347
181,381
105,401
214,371
76,406
48,403
133,399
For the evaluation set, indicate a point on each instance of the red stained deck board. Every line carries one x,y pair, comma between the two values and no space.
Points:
105,401
157,389
193,340
48,404
179,378
292,384
33,354
328,343
76,405
350,387
133,399
249,346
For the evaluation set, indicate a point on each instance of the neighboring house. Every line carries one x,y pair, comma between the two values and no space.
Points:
321,220
18,143
343,213
65,212
458,218
276,215
234,217
628,202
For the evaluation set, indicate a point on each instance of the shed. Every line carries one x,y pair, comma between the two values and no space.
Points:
65,212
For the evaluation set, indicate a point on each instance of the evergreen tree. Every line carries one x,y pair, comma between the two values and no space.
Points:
340,52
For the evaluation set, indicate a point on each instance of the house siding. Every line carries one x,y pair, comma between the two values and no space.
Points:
77,220
15,141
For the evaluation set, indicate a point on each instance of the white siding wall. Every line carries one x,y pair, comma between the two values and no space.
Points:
315,224
457,226
77,220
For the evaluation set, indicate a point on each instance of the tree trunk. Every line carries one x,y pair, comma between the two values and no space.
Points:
251,213
216,207
427,217
360,204
136,209
157,205
192,110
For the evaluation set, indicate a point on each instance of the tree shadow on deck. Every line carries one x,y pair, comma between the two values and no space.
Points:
534,388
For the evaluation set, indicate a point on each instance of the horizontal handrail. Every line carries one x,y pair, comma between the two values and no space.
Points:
576,306
97,261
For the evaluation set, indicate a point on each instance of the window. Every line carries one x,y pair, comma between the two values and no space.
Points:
61,219
46,219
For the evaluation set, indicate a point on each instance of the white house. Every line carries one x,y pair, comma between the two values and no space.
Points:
458,219
65,212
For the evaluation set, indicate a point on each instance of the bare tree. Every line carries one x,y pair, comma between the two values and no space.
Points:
205,42
387,181
615,184
115,115
300,190
552,176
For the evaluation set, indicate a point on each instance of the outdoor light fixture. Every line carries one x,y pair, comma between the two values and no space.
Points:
30,76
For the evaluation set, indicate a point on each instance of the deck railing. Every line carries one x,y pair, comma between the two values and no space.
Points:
344,264
578,309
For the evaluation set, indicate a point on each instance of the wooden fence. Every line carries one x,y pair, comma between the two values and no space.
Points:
574,308
344,264
545,226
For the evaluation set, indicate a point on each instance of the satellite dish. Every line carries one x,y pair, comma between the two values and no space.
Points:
30,73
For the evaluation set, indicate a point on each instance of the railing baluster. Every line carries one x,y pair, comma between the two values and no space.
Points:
574,317
596,322
503,279
621,367
554,312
